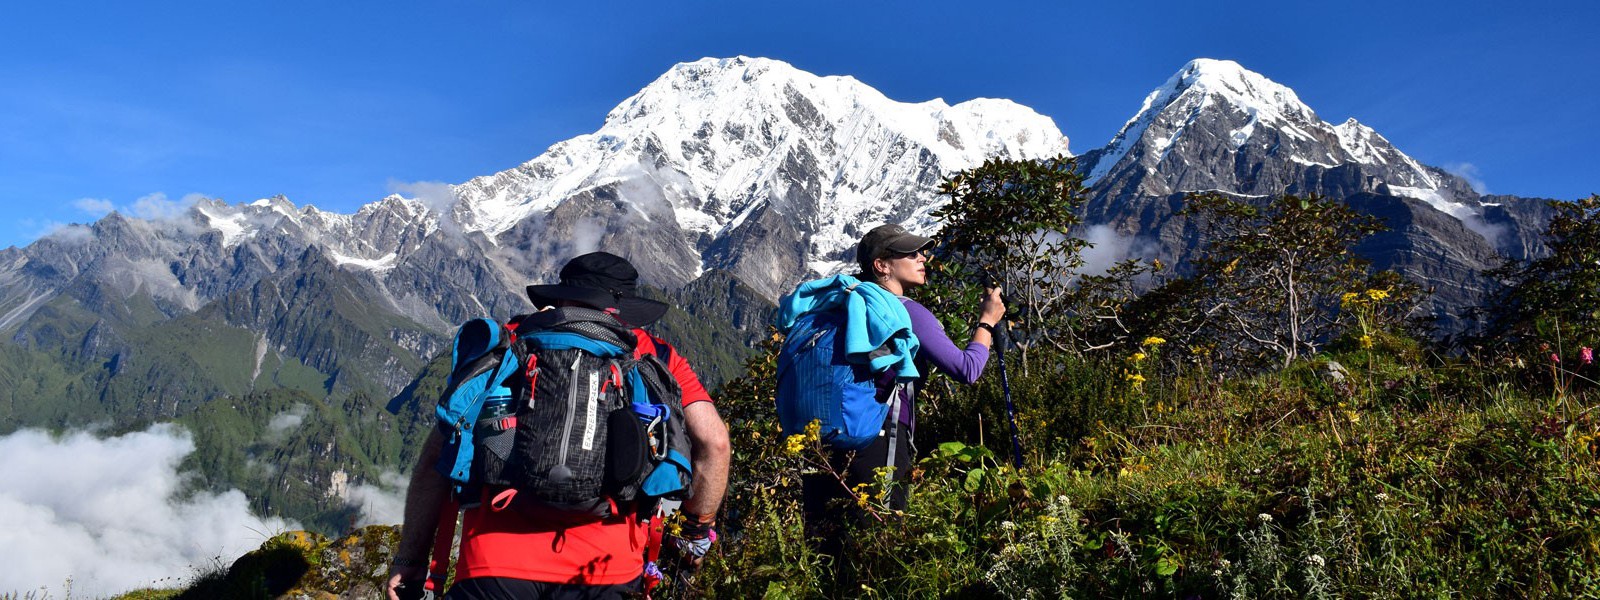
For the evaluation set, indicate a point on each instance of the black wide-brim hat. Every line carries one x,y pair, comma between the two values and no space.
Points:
605,281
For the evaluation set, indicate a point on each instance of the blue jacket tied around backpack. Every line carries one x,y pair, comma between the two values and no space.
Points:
842,334
874,318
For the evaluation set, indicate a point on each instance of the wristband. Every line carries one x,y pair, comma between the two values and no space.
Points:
693,531
986,327
406,562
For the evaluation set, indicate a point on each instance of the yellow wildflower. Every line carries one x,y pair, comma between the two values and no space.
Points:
1377,295
1348,299
1366,341
1354,416
1153,341
796,443
814,430
1134,377
1136,357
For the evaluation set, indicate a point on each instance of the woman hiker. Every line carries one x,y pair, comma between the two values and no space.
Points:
895,260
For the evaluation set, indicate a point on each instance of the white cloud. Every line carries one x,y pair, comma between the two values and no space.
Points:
153,277
94,206
64,233
287,420
152,207
1471,173
106,514
438,196
586,236
157,207
1107,248
381,504
1494,233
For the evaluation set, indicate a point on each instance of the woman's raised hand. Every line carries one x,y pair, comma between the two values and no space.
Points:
993,307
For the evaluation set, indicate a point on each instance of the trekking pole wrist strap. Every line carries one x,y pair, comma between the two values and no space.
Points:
986,327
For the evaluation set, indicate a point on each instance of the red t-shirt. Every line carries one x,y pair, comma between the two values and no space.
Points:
520,546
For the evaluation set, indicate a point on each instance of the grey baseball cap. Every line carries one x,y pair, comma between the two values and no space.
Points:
888,239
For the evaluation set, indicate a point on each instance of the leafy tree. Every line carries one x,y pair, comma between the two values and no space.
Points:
1555,299
1007,223
1272,275
1117,309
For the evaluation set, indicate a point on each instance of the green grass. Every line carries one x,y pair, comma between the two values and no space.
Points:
1407,479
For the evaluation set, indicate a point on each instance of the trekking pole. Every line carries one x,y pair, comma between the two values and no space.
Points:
1005,386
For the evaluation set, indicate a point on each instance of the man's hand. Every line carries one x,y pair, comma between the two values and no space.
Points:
405,583
693,542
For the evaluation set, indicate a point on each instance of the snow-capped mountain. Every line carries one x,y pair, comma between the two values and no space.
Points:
748,167
744,167
1216,126
1221,111
752,166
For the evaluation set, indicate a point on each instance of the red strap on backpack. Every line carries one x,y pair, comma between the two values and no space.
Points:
658,529
652,551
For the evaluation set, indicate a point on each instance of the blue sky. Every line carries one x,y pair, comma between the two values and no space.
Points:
135,106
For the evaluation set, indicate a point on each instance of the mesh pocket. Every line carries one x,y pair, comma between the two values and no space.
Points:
493,452
626,457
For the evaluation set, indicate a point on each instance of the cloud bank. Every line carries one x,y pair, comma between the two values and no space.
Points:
383,503
105,513
1107,248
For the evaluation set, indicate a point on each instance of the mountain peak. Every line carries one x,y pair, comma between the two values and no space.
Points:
1260,139
714,142
1202,86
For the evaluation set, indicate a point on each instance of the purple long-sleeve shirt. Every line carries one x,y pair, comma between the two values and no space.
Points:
937,351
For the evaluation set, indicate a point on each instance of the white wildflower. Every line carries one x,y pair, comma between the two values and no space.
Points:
1382,497
1316,560
1265,518
1008,525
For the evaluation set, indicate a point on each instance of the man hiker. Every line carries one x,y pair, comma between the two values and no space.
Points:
534,553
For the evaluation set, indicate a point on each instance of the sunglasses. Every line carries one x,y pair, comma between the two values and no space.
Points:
898,255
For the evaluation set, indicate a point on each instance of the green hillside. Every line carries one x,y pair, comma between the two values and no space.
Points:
1305,445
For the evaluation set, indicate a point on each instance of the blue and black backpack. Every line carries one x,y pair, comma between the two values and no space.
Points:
553,411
